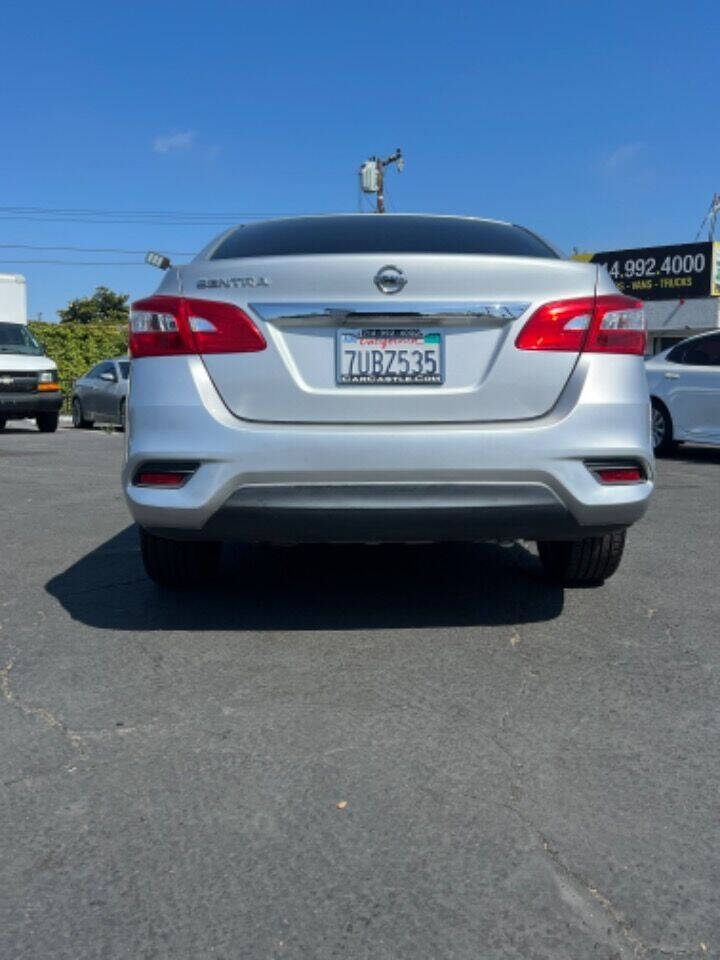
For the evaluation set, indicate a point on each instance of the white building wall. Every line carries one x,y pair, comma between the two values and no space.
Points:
677,319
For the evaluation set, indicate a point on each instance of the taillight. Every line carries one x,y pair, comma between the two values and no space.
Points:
164,326
611,323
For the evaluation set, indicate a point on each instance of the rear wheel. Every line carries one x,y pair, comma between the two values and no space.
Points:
78,419
121,417
588,561
179,563
662,429
47,422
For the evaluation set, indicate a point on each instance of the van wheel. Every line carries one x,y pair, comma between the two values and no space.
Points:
179,563
662,429
47,422
588,561
123,415
79,421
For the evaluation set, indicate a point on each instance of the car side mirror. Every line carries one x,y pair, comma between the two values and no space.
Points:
110,377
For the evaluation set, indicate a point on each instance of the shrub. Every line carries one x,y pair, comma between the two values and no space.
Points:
75,347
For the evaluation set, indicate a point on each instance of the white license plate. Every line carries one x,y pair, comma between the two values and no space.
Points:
385,355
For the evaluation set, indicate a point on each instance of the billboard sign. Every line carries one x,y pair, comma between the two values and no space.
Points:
680,271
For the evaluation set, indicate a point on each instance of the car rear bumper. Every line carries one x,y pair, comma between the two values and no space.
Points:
361,513
405,482
15,406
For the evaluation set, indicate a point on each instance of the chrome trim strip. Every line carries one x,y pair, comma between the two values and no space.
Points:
356,311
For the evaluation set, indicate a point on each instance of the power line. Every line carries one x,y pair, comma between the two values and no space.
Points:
84,263
146,217
710,218
144,213
226,221
35,246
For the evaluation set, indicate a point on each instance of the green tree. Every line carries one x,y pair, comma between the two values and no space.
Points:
104,306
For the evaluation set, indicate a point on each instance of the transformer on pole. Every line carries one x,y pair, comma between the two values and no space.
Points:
372,175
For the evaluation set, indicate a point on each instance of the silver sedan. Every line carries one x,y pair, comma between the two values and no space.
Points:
101,395
386,378
684,386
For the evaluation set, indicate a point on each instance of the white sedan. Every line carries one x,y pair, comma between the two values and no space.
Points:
684,384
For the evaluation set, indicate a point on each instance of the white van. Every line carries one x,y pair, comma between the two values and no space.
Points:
29,383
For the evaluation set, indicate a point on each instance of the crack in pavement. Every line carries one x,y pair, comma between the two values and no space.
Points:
41,713
581,896
596,910
585,899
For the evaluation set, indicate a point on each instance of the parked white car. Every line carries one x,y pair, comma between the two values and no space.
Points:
684,384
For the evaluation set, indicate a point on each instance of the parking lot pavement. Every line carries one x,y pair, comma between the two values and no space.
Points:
528,772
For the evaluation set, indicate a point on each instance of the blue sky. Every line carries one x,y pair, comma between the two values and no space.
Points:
595,124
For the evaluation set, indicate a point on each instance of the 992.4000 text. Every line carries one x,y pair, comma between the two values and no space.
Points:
670,266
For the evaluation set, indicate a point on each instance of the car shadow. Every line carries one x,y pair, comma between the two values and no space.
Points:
314,588
11,428
696,454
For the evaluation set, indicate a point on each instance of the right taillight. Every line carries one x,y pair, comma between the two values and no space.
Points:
166,326
611,323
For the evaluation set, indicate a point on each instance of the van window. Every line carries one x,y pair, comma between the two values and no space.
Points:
16,338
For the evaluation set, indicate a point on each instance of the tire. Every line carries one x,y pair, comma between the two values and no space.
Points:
662,429
179,563
121,422
79,421
47,422
588,561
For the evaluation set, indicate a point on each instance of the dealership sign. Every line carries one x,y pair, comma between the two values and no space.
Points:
677,272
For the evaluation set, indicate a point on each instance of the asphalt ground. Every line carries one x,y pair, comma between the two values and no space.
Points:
405,753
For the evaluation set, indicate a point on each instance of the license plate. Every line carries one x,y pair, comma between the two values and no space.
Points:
379,355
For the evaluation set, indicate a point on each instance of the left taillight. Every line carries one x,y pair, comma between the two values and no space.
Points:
163,326
611,323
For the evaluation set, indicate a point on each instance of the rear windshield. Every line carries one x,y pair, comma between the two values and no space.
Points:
16,338
377,233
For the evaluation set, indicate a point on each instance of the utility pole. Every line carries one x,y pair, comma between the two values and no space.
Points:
713,215
372,175
711,218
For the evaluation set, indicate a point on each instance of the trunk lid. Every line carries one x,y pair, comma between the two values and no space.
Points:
476,304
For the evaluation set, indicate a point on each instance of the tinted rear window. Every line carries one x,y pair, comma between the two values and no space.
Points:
377,233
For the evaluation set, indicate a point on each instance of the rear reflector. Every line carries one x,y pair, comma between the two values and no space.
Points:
610,323
160,479
165,326
164,474
614,475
